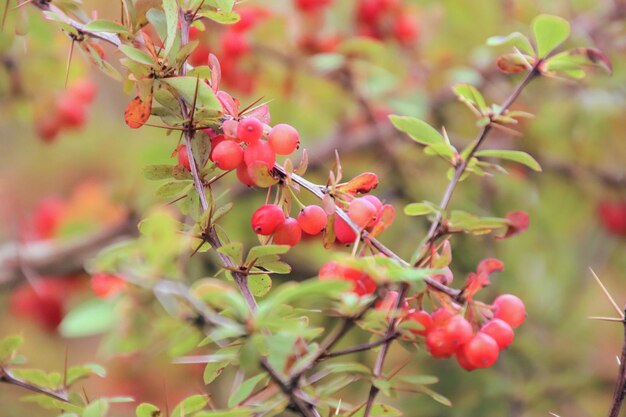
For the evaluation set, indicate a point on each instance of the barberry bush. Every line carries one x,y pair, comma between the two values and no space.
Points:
266,273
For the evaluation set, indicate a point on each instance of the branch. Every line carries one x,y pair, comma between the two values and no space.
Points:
360,348
435,229
290,390
7,378
620,386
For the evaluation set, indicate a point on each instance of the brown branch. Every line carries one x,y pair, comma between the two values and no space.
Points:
295,396
360,348
620,386
435,229
7,378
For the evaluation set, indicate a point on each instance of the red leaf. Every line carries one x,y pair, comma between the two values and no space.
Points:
138,112
512,63
361,184
518,223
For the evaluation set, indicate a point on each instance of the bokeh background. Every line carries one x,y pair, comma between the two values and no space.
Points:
561,361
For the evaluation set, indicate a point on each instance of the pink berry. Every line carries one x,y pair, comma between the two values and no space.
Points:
260,151
243,176
227,155
85,90
482,351
500,331
312,220
459,331
343,232
439,344
183,157
510,309
249,130
266,219
423,318
71,111
288,233
284,139
361,212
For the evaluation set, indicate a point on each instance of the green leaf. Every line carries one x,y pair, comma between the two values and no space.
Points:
550,32
516,156
89,318
79,372
33,376
148,410
50,403
445,150
435,396
347,367
233,250
157,172
170,7
189,405
238,412
259,284
419,379
172,189
8,347
468,94
378,410
105,26
261,251
213,370
244,390
96,408
186,86
515,39
220,16
418,130
137,55
420,209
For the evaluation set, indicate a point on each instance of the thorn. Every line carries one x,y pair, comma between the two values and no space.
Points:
67,348
338,407
69,63
21,4
554,415
606,292
599,318
4,14
619,363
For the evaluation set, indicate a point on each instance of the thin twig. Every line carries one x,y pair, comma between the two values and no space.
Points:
8,378
360,348
620,386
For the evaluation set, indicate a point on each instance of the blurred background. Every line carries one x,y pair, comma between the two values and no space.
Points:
321,75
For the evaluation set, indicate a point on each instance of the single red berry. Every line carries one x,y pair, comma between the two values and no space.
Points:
243,176
107,285
459,331
482,351
234,44
71,111
47,218
288,233
361,212
183,157
343,231
42,301
423,318
510,309
48,127
439,344
613,216
462,360
260,151
249,130
374,200
266,219
405,29
227,155
500,331
84,90
284,139
441,316
312,220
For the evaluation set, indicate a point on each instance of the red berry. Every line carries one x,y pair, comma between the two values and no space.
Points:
423,318
266,219
71,111
482,351
510,309
439,344
361,212
41,301
500,331
613,216
234,44
288,233
284,139
227,155
441,316
85,90
343,232
312,5
462,360
48,217
48,127
374,200
260,151
363,283
249,130
459,331
183,157
243,176
405,29
106,285
312,220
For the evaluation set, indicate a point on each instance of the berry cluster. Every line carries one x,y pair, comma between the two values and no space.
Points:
449,333
382,19
69,110
363,284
